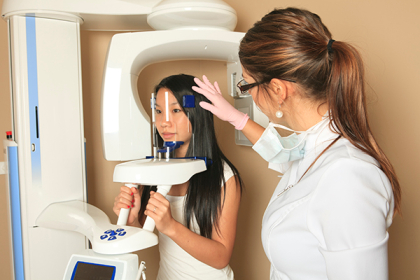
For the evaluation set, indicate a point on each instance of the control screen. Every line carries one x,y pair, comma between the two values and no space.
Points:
92,271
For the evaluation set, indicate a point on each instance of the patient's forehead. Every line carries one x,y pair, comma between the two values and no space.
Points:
161,97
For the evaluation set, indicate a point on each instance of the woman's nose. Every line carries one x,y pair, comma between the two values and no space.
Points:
165,123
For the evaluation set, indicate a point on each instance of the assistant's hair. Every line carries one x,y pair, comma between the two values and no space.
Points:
204,195
291,44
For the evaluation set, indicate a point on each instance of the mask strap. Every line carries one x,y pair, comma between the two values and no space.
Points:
312,164
295,131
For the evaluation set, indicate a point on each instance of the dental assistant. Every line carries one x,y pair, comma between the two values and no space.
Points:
329,215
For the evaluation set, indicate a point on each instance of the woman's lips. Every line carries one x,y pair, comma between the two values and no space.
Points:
167,135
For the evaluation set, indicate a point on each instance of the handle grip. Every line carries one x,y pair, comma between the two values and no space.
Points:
149,224
123,216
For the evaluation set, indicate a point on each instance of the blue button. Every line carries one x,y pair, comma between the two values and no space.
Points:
104,236
108,231
112,238
113,233
122,233
119,230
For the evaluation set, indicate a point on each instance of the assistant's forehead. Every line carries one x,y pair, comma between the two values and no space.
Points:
246,75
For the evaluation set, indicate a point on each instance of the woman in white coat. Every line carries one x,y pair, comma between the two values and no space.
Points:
329,215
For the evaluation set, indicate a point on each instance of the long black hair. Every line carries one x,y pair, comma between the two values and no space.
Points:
204,195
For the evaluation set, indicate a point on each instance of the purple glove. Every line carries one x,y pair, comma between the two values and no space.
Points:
220,107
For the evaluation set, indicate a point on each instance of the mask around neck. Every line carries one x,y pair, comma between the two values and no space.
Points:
277,149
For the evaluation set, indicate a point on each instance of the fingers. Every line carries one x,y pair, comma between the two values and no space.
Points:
157,204
214,88
202,91
216,85
136,194
208,83
125,198
208,107
126,189
203,85
158,199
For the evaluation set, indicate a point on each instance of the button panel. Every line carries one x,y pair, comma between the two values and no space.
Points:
113,234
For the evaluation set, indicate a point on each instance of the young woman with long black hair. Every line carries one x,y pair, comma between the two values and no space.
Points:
197,219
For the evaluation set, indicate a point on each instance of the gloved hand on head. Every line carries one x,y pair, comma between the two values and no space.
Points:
220,107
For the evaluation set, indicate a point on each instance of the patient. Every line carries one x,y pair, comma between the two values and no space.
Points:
197,220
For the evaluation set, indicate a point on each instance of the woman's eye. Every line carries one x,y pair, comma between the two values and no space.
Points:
176,110
158,111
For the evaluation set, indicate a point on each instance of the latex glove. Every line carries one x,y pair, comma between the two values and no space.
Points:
128,198
220,107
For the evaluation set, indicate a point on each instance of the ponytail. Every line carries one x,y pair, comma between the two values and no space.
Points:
294,45
346,99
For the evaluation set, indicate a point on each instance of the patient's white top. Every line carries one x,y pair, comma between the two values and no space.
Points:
332,225
177,264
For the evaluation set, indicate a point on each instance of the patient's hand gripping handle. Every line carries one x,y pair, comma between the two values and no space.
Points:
149,224
123,217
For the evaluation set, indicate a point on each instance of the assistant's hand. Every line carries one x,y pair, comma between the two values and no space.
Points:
128,198
159,210
220,107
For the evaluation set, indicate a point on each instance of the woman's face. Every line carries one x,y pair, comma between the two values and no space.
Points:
171,121
261,100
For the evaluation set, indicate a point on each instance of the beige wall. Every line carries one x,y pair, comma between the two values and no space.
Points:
388,36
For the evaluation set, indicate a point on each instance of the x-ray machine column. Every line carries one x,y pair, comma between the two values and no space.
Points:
48,130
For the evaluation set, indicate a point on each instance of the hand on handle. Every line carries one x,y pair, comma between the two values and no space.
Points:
158,210
127,205
220,107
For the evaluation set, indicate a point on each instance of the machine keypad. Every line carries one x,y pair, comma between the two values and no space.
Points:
112,235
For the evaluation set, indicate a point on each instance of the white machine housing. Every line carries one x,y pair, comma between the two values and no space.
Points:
120,267
125,124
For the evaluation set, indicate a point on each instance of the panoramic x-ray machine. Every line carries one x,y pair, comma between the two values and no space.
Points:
51,220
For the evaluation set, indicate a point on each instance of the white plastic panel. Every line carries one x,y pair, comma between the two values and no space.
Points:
14,220
246,105
92,222
47,108
100,7
149,171
129,15
199,14
234,75
127,136
125,266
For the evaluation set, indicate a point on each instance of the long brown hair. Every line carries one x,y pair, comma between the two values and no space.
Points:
292,44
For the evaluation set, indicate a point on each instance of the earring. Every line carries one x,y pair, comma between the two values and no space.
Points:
279,113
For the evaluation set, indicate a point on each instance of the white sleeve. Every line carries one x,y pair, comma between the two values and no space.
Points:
348,215
227,171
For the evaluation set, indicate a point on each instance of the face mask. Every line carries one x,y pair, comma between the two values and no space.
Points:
276,149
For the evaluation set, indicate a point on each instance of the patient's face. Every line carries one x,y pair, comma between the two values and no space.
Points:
171,121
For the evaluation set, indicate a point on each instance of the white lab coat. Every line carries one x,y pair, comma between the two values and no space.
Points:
333,223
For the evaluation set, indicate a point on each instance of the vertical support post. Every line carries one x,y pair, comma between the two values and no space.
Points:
48,127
